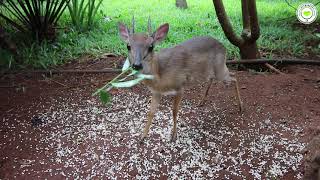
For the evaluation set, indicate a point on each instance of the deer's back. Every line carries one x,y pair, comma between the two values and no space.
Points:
203,45
190,62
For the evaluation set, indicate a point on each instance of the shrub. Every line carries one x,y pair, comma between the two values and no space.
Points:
82,12
35,17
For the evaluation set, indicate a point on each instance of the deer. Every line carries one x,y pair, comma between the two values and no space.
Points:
200,59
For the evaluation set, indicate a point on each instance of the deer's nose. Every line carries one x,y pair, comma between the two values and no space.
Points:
137,66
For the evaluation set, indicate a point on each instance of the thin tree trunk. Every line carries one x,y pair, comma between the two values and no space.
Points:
250,33
182,4
225,23
249,50
245,15
254,22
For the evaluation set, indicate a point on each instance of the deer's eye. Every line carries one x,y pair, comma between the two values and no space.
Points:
150,49
128,47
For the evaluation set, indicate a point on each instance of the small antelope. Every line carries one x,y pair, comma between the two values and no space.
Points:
196,60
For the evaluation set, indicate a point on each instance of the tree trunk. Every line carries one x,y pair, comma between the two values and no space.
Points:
250,33
249,51
182,4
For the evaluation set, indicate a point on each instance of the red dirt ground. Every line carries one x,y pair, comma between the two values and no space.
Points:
52,128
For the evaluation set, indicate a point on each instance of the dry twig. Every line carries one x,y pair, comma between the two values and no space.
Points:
273,69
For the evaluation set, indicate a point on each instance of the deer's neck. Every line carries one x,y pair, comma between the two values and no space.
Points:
152,66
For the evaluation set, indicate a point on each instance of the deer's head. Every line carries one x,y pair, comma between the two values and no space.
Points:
141,45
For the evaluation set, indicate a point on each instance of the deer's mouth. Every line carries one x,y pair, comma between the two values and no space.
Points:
137,67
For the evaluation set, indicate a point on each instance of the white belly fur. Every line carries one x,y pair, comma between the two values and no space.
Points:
166,93
169,93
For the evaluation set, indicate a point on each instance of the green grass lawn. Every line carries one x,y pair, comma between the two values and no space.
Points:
280,34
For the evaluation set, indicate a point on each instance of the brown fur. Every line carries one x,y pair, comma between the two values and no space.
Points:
312,159
199,59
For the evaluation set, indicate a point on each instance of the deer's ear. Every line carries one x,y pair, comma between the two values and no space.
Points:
124,32
161,33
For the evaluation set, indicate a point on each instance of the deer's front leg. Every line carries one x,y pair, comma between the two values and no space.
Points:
175,110
155,100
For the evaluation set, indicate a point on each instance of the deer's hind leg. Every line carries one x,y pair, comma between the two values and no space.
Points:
204,97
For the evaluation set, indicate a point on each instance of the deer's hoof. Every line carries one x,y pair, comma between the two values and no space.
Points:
142,139
241,108
174,137
201,103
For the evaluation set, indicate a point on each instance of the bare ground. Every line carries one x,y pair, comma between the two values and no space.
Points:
51,127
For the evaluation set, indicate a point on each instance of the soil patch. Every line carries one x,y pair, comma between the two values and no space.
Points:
51,127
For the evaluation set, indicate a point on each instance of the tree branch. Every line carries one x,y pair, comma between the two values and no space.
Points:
246,32
225,23
72,71
276,61
245,14
273,68
254,22
250,61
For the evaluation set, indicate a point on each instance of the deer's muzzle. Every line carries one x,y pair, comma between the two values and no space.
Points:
137,66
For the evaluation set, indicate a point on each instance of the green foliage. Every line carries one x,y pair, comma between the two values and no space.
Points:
105,97
35,17
6,58
281,33
318,36
82,12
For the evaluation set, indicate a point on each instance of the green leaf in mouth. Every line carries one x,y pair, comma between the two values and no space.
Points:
105,97
127,84
126,65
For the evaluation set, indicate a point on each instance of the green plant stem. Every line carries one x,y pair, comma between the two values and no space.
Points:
112,81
